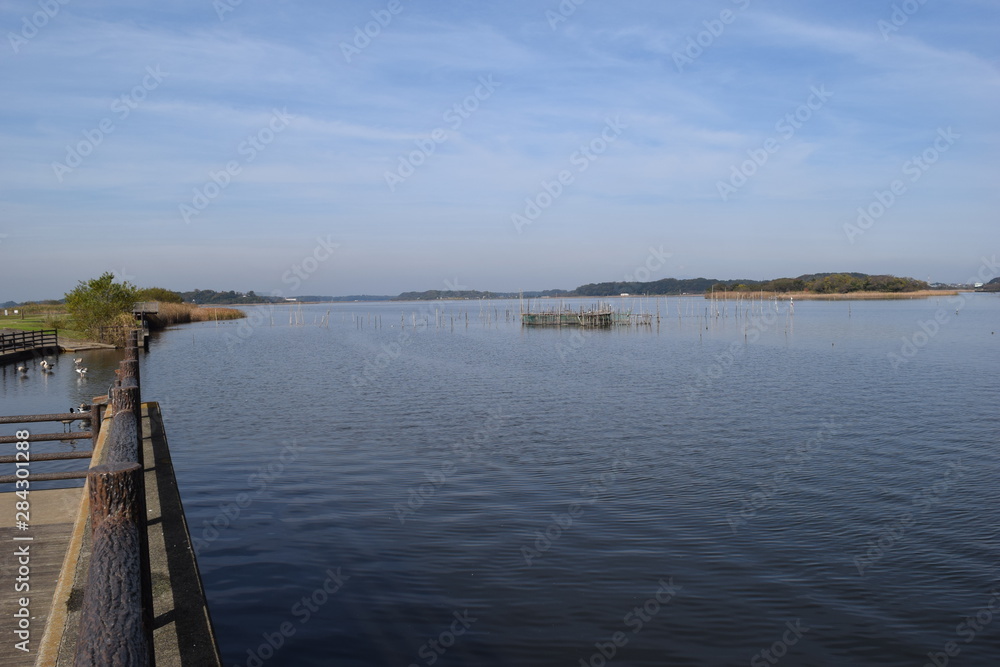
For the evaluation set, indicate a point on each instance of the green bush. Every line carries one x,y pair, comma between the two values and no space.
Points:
99,303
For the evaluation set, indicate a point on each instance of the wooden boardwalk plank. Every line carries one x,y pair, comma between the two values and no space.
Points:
52,513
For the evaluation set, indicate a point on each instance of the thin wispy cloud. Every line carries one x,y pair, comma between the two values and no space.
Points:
88,145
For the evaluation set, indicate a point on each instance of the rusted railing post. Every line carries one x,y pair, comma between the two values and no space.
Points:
132,353
125,396
124,445
113,627
126,399
129,369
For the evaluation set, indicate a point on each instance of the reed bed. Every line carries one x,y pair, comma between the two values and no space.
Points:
182,313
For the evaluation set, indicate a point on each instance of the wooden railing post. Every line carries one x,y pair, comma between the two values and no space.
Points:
113,628
124,445
126,396
95,422
129,368
121,445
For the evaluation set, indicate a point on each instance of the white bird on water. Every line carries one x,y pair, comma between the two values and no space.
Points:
78,362
46,366
23,370
81,371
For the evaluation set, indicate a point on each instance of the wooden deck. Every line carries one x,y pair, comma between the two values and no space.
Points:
52,517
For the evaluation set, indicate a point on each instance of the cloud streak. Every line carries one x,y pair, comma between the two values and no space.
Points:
354,119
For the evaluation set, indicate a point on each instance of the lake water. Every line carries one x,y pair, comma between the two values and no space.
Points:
765,488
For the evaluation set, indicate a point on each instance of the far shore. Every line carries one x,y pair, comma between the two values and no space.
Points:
849,296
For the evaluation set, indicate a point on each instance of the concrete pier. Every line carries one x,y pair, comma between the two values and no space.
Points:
60,559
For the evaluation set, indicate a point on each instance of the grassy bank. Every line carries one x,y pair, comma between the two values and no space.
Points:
849,296
37,318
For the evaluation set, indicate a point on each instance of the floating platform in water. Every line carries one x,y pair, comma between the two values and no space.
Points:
600,317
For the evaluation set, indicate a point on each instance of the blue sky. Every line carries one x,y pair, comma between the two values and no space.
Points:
275,146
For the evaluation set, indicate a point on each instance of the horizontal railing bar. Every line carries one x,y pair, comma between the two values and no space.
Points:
53,456
43,437
55,417
45,476
26,340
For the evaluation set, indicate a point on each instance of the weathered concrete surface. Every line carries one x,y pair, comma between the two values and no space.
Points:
182,633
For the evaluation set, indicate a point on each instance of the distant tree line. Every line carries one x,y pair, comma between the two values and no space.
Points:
827,283
821,283
658,287
207,296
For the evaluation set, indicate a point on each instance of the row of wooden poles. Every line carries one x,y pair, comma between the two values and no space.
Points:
116,619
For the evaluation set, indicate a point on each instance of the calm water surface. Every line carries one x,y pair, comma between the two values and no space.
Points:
468,492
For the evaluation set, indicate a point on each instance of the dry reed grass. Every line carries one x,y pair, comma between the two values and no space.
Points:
182,313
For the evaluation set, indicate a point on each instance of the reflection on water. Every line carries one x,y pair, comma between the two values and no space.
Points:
465,491
56,391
